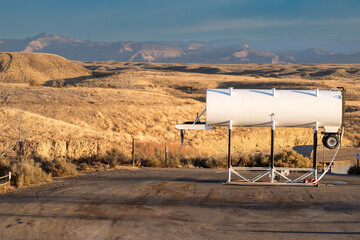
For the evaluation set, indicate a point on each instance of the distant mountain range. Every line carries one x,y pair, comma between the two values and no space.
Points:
225,51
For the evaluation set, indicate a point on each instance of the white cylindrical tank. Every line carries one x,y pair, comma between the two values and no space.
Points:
288,108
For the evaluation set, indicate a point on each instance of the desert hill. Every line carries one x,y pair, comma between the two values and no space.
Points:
37,68
113,102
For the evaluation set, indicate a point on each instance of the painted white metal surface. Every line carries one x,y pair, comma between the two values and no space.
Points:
288,108
193,127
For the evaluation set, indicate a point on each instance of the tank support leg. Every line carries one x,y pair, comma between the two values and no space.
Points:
272,152
229,152
315,150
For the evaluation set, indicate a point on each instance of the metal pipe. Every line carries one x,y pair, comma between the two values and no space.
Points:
229,152
272,148
272,151
182,134
198,117
315,150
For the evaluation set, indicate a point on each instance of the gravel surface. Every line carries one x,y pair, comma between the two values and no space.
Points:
180,204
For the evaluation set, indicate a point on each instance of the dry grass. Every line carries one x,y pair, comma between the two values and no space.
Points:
36,69
58,168
25,172
94,114
286,158
85,118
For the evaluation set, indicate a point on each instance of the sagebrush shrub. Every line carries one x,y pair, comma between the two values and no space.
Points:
26,172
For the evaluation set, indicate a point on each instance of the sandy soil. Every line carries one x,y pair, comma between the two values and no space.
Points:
179,204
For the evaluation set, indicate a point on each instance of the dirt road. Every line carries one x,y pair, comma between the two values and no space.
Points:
179,204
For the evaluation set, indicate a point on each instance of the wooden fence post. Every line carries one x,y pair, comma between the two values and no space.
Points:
133,152
166,150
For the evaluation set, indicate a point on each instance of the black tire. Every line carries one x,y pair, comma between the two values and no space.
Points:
331,141
323,140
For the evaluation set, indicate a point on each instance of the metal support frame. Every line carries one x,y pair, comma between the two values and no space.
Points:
229,153
315,149
258,177
269,171
197,119
272,171
272,151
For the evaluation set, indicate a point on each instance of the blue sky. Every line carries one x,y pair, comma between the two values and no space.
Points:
122,20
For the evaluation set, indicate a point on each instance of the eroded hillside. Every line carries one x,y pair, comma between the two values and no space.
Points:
113,102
